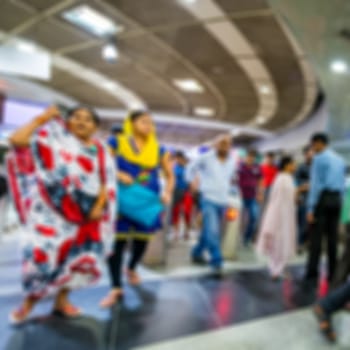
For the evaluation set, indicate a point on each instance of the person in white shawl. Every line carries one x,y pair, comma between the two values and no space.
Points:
278,231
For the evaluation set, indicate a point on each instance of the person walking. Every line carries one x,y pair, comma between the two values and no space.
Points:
303,181
182,200
269,172
324,203
325,308
277,236
139,158
214,172
62,182
251,185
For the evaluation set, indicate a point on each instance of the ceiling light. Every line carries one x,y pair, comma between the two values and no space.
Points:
110,52
236,132
26,46
204,111
339,66
189,85
190,2
109,85
265,89
261,120
89,19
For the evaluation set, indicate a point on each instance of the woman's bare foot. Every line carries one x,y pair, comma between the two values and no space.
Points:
112,298
63,307
22,313
68,310
133,278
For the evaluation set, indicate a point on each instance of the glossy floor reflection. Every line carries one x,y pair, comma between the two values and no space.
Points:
157,311
292,331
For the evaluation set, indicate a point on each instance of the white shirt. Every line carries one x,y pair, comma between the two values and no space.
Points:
215,176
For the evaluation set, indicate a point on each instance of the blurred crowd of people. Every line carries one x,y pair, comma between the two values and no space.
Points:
72,192
288,208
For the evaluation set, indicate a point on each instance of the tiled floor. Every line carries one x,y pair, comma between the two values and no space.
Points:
292,331
169,305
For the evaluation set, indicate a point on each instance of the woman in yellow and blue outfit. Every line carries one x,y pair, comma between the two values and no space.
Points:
139,159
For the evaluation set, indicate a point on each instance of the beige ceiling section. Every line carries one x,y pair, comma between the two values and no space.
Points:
94,78
80,71
245,60
157,55
310,79
230,37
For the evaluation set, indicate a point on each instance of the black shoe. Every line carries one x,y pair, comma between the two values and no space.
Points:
199,261
218,273
309,283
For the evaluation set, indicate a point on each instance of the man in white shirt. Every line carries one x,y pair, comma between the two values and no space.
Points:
213,173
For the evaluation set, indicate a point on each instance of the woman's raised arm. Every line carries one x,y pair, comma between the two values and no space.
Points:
21,137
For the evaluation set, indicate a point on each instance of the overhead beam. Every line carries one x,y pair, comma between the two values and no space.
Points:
40,16
151,30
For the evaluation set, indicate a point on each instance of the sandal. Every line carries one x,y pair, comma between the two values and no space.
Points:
133,278
111,299
325,323
19,316
67,311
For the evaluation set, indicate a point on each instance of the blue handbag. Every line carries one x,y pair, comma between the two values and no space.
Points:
139,204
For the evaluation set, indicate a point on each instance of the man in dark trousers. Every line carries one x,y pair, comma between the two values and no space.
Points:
327,185
303,182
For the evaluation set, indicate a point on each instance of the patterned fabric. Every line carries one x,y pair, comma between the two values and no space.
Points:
55,184
249,177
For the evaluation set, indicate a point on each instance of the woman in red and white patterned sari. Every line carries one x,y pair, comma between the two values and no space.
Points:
63,185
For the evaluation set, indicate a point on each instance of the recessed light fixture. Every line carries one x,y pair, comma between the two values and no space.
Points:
265,89
261,120
189,85
204,112
26,46
190,2
236,132
110,52
339,66
89,19
109,85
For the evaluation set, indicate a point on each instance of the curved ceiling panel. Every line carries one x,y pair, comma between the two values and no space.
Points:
230,47
162,57
278,55
193,42
228,35
134,76
42,29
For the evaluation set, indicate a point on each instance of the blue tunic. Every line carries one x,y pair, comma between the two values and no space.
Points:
148,177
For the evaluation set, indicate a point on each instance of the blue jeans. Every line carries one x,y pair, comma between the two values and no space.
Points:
336,299
210,238
251,208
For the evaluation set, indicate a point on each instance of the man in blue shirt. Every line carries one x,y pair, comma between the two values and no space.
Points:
213,172
182,201
324,202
